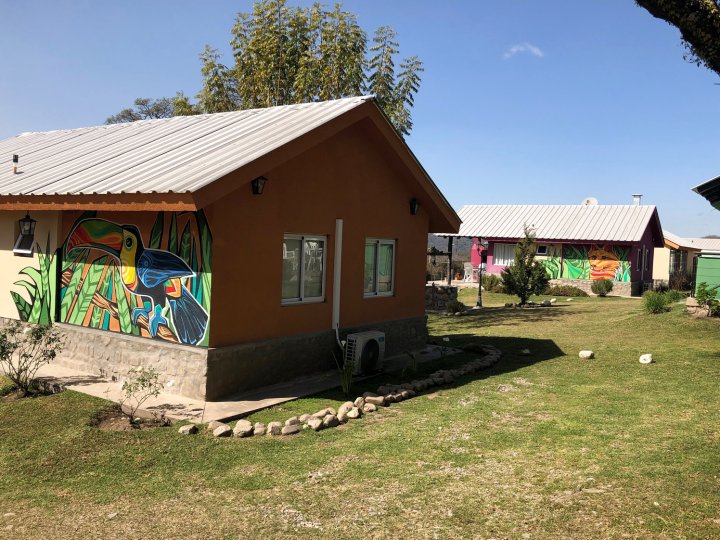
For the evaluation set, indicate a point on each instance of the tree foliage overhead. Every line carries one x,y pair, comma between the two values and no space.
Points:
284,55
525,276
699,25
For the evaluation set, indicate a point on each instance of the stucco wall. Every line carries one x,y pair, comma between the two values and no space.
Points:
11,265
661,264
350,177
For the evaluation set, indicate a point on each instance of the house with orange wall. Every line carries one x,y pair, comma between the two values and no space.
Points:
228,250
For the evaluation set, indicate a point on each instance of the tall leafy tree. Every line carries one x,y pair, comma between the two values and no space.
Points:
143,109
525,276
284,55
699,25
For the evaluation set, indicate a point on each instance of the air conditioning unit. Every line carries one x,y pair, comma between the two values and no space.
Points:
365,351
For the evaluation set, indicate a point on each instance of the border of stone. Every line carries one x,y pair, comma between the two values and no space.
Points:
368,403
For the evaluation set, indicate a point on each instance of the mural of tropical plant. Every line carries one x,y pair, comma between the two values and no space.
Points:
93,294
40,286
577,265
597,262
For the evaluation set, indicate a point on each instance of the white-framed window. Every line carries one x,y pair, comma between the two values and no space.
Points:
303,277
542,249
504,254
379,271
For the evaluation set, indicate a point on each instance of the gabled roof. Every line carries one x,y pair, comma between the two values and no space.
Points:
674,241
710,190
577,223
172,162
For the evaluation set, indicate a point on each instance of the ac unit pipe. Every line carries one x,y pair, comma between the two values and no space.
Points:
337,274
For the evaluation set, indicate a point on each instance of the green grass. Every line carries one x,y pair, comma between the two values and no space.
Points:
540,446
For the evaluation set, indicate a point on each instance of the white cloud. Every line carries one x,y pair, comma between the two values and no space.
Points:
523,48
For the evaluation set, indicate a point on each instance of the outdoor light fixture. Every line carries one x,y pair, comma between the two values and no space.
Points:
16,161
27,225
24,243
414,205
258,184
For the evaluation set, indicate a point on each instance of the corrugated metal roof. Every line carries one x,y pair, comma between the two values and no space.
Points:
710,244
170,155
606,223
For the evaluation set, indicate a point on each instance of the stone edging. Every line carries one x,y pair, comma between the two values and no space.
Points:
369,402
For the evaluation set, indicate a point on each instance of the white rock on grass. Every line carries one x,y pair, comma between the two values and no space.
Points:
292,429
304,418
274,428
316,424
189,429
553,300
259,429
214,424
369,407
354,413
359,402
646,359
222,431
375,400
330,420
568,299
243,428
293,421
586,355
344,408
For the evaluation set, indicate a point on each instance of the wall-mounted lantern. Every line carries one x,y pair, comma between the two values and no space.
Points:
25,241
414,205
258,184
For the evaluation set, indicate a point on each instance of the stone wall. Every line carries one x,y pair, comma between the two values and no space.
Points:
620,288
111,355
438,296
211,374
252,365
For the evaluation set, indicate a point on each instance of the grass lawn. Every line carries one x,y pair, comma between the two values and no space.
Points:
540,446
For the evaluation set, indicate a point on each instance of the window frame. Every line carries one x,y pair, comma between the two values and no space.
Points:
301,276
378,242
545,250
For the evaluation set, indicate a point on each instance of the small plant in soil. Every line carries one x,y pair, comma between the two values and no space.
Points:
24,348
141,384
346,374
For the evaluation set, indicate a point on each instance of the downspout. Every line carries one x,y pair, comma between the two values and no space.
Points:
337,274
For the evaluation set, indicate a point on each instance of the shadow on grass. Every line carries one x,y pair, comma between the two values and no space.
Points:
506,316
512,359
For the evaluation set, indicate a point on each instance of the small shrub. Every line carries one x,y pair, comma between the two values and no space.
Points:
346,374
455,306
674,296
24,348
706,297
141,384
656,302
565,290
492,283
601,287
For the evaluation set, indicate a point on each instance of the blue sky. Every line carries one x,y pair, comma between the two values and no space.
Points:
521,102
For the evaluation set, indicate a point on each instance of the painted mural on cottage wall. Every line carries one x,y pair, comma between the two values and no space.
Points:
589,262
115,278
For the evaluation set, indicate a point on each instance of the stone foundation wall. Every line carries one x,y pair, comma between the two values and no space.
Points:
111,355
438,296
252,365
620,288
211,374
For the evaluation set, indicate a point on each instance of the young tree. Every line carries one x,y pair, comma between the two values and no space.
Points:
143,109
284,55
699,25
525,276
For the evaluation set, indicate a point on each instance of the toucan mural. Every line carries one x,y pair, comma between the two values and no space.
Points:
114,279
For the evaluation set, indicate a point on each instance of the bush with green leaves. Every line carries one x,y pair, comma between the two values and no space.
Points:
492,283
566,290
24,349
656,302
455,306
525,276
601,287
140,385
706,297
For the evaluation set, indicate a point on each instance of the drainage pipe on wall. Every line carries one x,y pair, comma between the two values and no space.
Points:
337,274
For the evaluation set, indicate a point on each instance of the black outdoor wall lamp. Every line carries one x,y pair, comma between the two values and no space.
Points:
414,205
258,184
24,243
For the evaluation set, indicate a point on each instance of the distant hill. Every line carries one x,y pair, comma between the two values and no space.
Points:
461,246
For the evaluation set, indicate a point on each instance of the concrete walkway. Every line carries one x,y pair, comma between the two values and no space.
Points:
182,408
